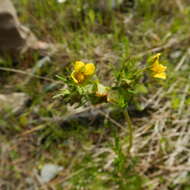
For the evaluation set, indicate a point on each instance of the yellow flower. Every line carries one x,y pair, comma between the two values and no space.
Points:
157,68
78,66
89,69
82,71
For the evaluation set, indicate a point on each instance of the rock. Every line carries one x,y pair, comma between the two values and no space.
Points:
14,101
106,5
49,171
176,54
61,1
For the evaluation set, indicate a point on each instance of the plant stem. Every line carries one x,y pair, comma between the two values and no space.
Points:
130,126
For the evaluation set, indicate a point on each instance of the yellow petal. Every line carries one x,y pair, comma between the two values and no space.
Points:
77,77
78,66
89,69
155,66
160,75
73,77
162,68
156,56
158,68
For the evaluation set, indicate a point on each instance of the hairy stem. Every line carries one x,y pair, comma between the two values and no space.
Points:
130,126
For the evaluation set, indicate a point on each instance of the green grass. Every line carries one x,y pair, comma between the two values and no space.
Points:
94,154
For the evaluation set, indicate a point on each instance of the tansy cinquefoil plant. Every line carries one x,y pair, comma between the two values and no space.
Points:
83,86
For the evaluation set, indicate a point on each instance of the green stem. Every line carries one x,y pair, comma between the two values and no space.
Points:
130,126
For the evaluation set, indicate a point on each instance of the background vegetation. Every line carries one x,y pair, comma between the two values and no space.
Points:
90,143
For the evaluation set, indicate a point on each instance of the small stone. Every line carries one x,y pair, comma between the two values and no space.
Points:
175,54
49,171
61,1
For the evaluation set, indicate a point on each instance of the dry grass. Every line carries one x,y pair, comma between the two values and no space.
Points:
90,152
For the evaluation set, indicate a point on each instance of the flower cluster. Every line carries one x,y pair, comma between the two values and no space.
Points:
82,71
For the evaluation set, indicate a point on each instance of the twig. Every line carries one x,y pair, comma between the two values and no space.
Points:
38,65
180,6
169,44
26,73
183,99
182,60
111,120
33,130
